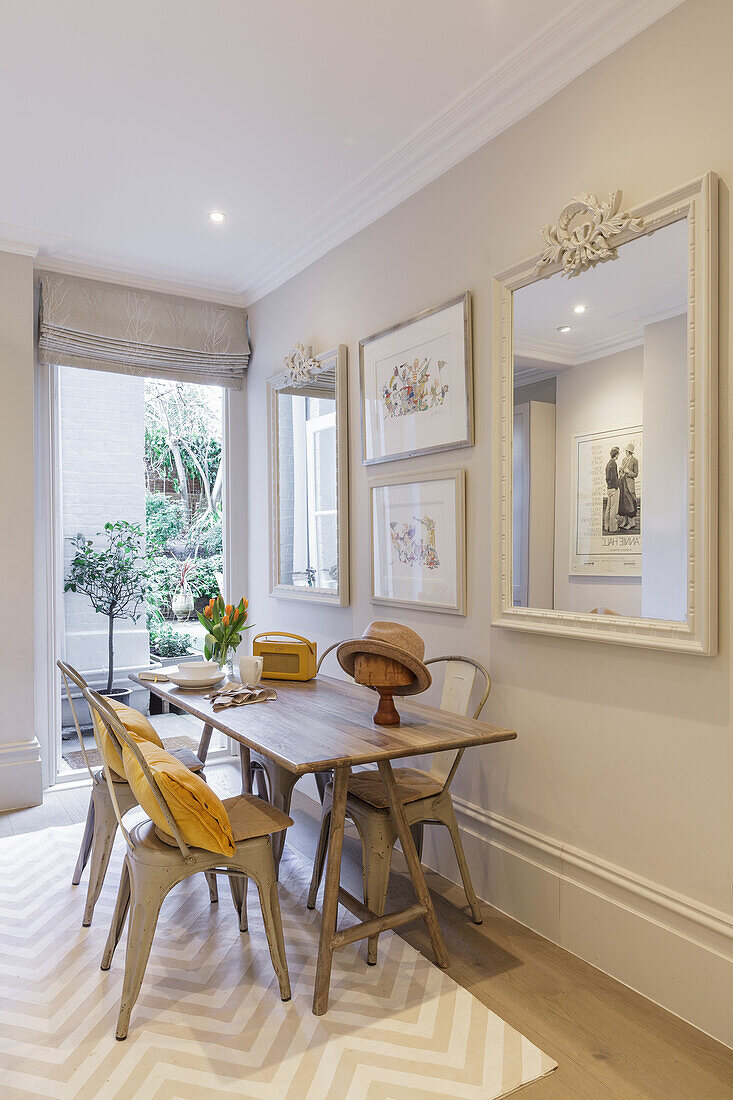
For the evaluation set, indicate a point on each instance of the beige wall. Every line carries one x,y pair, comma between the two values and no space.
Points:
20,768
616,797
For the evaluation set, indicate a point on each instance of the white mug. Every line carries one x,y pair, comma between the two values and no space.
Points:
250,670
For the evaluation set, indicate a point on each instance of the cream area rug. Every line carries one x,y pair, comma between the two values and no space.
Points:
209,1022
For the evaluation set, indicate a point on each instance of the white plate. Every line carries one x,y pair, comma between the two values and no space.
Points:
199,685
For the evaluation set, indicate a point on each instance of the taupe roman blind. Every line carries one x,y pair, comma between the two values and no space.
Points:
102,326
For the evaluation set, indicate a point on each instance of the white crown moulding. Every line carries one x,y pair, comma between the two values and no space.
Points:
577,39
582,35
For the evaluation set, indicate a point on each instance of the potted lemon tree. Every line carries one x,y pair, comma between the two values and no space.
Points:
114,577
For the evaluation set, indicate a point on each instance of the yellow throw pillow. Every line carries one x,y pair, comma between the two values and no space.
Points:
136,724
198,813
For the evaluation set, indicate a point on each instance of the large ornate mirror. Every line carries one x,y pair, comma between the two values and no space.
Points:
606,420
309,477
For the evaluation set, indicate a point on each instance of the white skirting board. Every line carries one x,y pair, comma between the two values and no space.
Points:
670,948
20,775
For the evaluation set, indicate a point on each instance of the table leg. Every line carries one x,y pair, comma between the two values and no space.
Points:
203,750
413,863
329,914
246,766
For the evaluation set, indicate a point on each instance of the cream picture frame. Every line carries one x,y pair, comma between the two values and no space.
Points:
416,385
418,541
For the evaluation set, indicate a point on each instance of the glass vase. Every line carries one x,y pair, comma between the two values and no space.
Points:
226,660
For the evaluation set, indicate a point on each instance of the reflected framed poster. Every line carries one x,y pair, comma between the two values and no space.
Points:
416,385
419,542
606,514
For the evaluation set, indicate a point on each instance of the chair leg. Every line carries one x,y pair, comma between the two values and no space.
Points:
417,831
319,859
452,826
213,887
149,889
118,918
267,886
238,887
86,844
377,843
105,829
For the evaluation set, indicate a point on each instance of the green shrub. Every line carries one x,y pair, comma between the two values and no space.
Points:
164,520
202,579
167,642
164,580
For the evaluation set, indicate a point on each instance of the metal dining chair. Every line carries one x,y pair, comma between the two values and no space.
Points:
157,860
101,822
425,796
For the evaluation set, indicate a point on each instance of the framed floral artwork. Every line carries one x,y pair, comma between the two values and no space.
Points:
416,385
418,541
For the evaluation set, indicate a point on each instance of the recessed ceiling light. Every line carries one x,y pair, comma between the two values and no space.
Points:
579,309
217,216
563,329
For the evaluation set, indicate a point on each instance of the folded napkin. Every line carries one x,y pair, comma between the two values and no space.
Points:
238,695
156,675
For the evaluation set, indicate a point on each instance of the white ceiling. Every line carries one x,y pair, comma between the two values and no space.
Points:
122,124
647,282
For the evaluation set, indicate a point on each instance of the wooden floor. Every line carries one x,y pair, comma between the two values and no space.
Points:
608,1041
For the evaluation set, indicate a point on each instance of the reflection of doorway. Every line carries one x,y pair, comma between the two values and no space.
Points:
148,454
322,524
533,498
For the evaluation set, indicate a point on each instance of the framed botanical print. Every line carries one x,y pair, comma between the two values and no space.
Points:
605,540
416,385
418,540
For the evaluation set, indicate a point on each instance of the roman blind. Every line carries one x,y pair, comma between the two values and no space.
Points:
103,326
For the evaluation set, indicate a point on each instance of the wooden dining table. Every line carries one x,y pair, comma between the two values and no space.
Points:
325,725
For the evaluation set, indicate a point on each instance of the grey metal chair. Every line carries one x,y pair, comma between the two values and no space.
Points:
158,860
425,796
101,822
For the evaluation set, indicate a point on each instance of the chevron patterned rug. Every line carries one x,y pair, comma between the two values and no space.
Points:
209,1022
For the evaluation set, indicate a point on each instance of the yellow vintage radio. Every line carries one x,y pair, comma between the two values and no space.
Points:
286,660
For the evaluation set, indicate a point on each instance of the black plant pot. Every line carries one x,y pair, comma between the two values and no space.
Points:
120,695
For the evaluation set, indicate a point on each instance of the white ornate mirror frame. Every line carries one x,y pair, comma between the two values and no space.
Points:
571,253
303,369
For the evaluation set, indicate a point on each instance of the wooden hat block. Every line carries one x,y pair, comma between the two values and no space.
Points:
384,675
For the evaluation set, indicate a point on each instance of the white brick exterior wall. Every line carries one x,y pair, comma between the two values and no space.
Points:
102,431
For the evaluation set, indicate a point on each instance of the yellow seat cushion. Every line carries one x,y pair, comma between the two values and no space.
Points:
200,816
136,724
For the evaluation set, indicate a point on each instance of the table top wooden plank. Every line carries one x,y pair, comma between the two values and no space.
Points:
324,722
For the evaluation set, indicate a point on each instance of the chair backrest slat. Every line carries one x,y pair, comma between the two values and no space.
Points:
69,673
122,738
323,658
460,677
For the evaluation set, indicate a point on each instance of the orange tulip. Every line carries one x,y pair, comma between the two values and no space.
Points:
228,609
208,612
246,604
225,621
235,614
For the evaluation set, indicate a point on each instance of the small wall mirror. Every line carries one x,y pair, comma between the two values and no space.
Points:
309,477
608,415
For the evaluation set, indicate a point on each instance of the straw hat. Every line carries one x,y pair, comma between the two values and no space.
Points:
390,640
630,447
